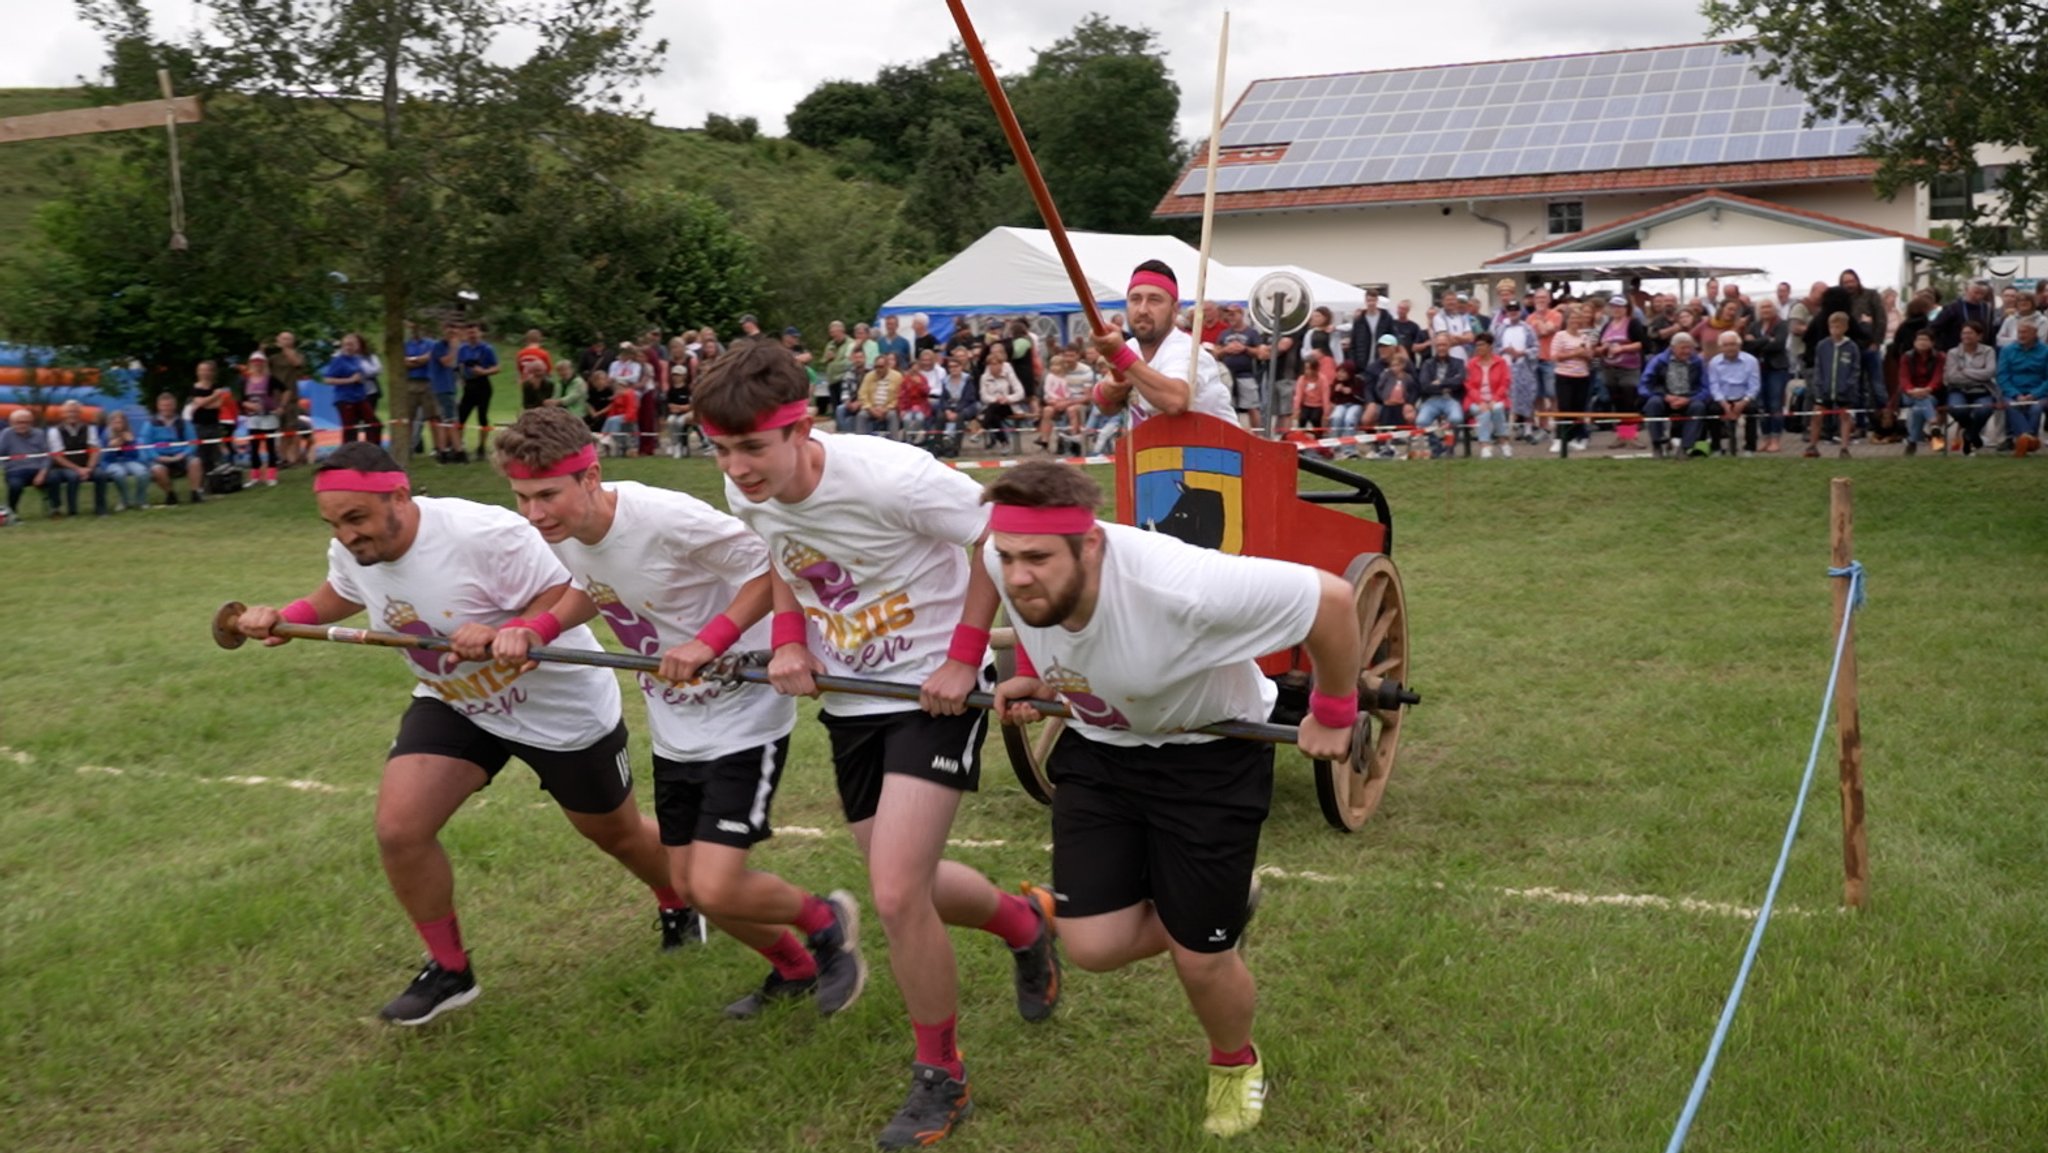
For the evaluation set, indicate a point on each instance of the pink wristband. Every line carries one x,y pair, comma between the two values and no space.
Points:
1024,666
1333,712
719,635
542,625
969,645
1125,357
300,612
788,629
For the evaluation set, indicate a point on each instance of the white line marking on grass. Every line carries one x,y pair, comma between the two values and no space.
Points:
301,786
104,770
1647,901
16,755
799,831
1281,874
970,843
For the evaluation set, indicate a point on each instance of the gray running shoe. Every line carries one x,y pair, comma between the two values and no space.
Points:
776,988
1038,964
936,1104
842,971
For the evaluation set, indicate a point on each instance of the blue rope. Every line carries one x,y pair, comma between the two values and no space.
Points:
1854,572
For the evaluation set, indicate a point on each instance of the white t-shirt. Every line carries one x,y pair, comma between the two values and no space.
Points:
877,557
669,564
1174,641
1211,392
478,562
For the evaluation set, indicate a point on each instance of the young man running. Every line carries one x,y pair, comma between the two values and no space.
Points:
870,537
1151,378
1155,827
444,567
672,574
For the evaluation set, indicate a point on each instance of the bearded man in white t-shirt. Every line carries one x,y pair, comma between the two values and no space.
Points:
674,576
1149,378
441,567
1155,827
869,540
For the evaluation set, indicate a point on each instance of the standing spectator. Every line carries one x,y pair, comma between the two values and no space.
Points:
836,359
1371,323
1837,380
1001,393
290,364
536,385
1023,354
122,463
476,362
656,360
1438,384
1674,384
1893,317
168,440
708,347
413,409
1312,391
628,367
1802,317
1489,387
1618,351
921,338
1767,342
793,340
2024,312
1546,321
892,342
1866,312
344,374
750,328
373,388
1516,344
1454,320
1240,348
2022,381
532,351
571,394
1412,337
1973,305
208,395
25,451
653,387
445,374
1921,372
1734,381
260,393
864,339
676,405
1970,370
1571,357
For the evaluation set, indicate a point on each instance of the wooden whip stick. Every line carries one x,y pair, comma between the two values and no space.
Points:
1021,148
1208,207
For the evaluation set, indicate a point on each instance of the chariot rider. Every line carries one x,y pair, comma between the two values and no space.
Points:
1148,377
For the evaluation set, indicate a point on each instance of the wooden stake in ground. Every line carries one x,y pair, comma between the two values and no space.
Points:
1848,721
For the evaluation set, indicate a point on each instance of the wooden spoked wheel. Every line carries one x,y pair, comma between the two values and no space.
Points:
1029,746
1350,790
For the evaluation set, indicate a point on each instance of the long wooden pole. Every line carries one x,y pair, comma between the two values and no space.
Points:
1026,163
1848,720
1208,205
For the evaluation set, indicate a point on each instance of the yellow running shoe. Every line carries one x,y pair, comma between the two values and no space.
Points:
1237,1098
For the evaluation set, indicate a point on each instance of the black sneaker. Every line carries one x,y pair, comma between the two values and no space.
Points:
432,993
937,1103
1038,964
680,927
776,988
842,971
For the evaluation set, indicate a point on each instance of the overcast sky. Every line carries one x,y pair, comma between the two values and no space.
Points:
758,58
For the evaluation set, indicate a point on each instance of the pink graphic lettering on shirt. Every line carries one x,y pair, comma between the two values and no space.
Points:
639,634
830,582
1073,688
400,616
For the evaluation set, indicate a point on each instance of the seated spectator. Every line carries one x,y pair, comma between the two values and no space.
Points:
1837,379
598,400
1347,405
25,451
1970,371
848,388
168,441
1921,371
676,407
1673,384
1001,392
2022,382
1060,402
1438,384
914,405
1489,384
75,459
621,422
122,464
1391,397
1734,381
572,395
875,401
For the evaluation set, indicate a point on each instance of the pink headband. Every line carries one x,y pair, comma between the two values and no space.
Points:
1156,280
783,417
1067,520
575,462
351,480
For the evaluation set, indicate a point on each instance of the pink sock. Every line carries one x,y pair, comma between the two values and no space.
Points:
1244,1056
1016,922
669,899
792,961
816,914
444,943
936,1046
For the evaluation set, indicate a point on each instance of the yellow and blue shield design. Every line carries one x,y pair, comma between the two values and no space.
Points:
1193,494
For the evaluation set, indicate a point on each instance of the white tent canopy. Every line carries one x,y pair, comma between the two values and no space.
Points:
1881,263
1015,271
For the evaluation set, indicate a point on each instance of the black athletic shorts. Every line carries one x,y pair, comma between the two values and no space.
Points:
723,801
1176,825
597,779
476,398
913,743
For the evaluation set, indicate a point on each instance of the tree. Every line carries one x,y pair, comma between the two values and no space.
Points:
1935,83
419,133
741,131
1099,106
652,259
954,198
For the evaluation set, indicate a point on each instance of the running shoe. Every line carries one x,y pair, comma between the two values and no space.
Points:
937,1103
1038,964
1237,1098
432,993
776,988
842,971
680,927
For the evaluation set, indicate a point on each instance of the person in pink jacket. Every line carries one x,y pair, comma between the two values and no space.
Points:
1487,379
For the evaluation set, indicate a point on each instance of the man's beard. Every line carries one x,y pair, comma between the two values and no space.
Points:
1058,607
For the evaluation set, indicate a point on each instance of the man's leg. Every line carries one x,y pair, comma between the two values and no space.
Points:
1695,422
630,838
417,795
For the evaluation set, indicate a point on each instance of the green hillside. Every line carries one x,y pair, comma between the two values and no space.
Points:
32,172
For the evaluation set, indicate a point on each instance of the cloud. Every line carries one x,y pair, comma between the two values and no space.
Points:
759,59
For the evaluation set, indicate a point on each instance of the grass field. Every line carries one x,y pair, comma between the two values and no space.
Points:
1621,663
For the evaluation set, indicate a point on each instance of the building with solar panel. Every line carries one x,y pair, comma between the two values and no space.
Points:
1400,178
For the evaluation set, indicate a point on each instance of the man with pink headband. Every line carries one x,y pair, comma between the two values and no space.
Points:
869,539
672,574
1155,828
437,566
1151,379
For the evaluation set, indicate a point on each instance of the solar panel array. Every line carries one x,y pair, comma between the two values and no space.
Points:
1644,108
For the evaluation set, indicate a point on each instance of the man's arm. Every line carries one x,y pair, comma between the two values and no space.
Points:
1169,396
945,691
323,606
1333,653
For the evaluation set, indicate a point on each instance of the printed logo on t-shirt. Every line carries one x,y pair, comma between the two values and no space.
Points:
1072,686
488,691
640,636
400,616
860,636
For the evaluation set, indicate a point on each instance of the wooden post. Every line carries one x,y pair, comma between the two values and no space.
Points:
1848,721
